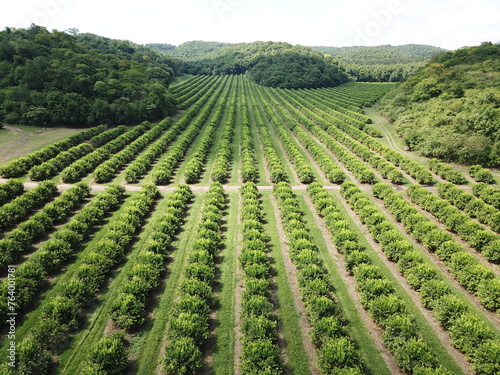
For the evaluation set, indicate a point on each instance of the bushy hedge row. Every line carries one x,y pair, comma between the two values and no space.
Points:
88,163
419,173
334,116
336,354
302,165
107,170
249,171
189,328
480,174
352,163
177,150
129,310
331,170
20,207
22,165
53,166
223,156
452,313
445,171
186,85
334,106
143,163
471,232
52,254
472,206
488,194
10,190
195,92
386,169
107,136
464,266
274,164
401,334
30,231
64,311
108,357
197,160
359,169
261,353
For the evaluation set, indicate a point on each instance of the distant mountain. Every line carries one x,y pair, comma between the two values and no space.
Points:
160,47
382,55
274,64
368,64
451,109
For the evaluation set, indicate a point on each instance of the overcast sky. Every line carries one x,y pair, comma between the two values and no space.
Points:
449,24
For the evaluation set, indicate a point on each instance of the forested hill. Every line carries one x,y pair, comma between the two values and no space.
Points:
368,64
193,50
57,78
382,55
274,64
381,63
451,109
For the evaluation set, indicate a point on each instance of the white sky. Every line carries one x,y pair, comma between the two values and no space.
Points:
449,24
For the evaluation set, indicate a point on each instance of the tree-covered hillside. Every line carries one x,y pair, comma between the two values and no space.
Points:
196,49
382,55
274,64
367,64
296,69
381,63
54,78
451,109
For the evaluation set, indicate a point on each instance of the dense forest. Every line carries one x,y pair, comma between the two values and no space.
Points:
381,63
365,64
62,78
296,69
451,109
273,64
382,55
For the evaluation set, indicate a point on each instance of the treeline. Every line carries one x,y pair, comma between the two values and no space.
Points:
274,64
296,69
283,65
382,55
58,78
450,110
380,72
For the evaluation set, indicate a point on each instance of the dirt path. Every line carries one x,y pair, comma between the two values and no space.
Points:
291,271
382,124
494,318
372,328
443,336
238,345
167,189
267,175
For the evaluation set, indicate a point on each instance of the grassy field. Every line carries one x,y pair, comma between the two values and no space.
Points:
16,141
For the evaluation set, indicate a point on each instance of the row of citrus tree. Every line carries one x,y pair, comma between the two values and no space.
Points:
189,325
377,292
336,353
64,312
